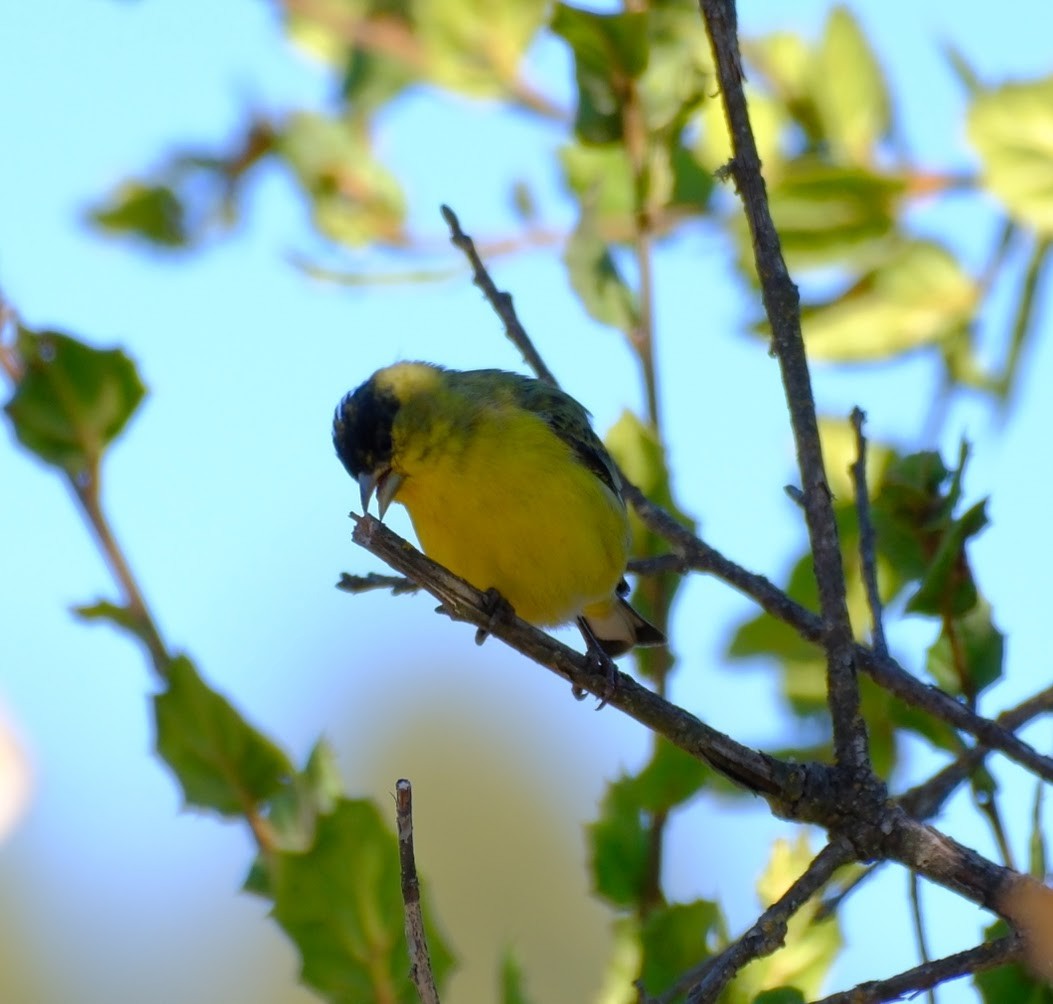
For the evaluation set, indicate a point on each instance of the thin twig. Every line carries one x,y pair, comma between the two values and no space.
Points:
867,542
416,939
919,926
782,305
499,300
907,984
708,980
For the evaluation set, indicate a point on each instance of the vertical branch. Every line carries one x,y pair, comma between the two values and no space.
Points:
782,304
420,960
867,542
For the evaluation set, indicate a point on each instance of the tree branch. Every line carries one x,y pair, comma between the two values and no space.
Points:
907,984
782,304
417,942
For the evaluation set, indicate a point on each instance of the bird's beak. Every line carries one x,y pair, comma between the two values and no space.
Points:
385,483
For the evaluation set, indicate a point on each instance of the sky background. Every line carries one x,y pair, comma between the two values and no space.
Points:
228,500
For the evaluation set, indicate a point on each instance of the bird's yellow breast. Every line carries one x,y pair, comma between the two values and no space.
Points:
503,502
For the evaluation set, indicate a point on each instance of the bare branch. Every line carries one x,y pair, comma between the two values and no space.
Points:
708,981
416,940
782,304
866,536
499,300
907,984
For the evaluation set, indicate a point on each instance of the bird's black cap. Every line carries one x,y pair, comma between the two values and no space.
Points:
362,428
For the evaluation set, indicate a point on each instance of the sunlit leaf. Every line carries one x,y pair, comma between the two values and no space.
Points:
920,296
849,90
1012,128
597,280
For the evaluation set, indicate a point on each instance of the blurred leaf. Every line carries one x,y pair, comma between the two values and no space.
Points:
293,811
72,400
476,46
832,214
849,90
610,51
512,980
602,177
354,198
948,586
963,69
117,615
1012,129
919,296
221,761
977,643
675,938
669,779
596,279
1010,984
620,846
341,904
810,947
780,995
152,213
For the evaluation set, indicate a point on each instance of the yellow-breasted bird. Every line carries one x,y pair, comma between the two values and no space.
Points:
506,485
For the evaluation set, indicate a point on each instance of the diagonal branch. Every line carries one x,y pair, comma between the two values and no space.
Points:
782,304
767,935
910,983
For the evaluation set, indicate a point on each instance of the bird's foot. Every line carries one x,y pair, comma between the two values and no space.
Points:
599,663
497,609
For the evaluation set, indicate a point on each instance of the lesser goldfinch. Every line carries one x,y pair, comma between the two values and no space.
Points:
506,484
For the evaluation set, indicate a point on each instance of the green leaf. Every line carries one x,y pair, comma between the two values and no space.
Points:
780,995
152,213
849,90
1011,984
112,613
973,641
596,279
602,177
832,214
512,980
675,938
354,198
72,400
221,762
620,846
1012,129
341,904
948,586
919,296
610,51
476,46
669,779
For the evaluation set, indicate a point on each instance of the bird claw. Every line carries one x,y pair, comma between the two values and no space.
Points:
599,662
497,609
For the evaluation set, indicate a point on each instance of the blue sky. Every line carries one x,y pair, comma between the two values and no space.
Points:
232,508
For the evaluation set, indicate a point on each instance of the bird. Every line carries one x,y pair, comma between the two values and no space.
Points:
506,485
